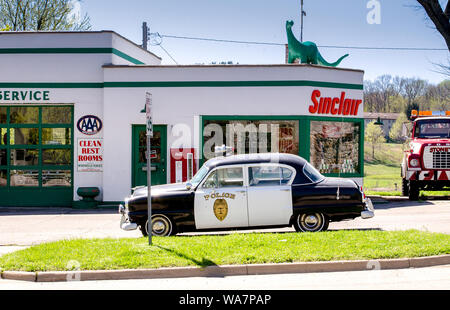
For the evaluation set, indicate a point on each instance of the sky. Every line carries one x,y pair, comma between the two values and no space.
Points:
400,23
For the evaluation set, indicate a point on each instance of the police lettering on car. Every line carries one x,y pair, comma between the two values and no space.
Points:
248,191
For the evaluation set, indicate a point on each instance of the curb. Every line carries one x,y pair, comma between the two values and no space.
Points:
227,270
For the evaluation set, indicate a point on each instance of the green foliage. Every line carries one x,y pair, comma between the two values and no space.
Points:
232,249
36,15
397,128
374,135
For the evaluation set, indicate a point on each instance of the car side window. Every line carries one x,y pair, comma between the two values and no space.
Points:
269,175
225,177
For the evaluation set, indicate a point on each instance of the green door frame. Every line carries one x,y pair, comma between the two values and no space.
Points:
162,179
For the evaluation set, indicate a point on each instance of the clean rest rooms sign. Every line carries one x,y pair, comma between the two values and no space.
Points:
90,155
24,95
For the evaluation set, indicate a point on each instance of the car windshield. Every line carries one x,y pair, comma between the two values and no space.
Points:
429,129
312,173
198,177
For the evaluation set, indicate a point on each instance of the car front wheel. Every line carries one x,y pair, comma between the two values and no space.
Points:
162,226
311,222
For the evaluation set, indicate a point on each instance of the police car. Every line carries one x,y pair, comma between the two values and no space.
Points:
248,191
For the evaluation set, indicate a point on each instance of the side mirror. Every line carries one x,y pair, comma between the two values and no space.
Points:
188,185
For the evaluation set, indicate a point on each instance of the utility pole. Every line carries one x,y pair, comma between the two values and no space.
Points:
303,13
145,34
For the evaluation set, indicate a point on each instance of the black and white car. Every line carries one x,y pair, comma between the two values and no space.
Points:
248,191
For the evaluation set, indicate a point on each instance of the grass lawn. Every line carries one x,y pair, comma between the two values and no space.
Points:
382,173
202,251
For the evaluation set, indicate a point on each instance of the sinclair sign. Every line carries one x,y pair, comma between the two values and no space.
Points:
341,105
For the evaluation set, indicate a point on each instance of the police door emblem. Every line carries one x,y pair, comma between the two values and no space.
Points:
220,209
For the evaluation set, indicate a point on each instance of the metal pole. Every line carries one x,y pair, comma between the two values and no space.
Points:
144,35
149,182
301,21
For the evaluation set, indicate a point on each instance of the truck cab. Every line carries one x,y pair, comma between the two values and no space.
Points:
426,162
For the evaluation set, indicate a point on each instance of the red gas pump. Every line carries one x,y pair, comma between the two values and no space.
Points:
182,165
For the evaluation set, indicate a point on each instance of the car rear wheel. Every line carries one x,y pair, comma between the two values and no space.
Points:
311,222
162,226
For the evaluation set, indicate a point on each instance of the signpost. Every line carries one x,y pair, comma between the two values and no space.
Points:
149,122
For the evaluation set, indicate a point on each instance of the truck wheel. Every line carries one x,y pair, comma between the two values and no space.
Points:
414,191
310,222
405,188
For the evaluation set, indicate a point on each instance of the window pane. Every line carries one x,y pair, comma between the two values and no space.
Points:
24,178
24,136
229,177
56,115
56,178
24,115
264,176
3,115
3,177
3,157
56,136
335,147
211,181
247,136
24,157
312,173
3,136
286,175
56,157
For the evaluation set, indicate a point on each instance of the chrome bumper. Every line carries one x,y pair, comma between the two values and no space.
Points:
125,223
369,210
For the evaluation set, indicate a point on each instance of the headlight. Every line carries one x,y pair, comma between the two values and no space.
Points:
414,162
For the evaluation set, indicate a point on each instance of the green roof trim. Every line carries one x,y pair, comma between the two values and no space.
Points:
88,50
291,83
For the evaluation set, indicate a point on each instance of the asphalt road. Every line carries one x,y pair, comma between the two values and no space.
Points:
32,226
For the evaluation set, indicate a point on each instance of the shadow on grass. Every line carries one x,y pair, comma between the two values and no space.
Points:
203,263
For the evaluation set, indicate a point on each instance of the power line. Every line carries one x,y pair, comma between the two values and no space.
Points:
322,46
160,45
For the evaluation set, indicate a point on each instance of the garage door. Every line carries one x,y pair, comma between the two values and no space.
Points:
36,155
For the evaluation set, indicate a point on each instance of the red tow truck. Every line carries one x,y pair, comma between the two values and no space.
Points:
426,163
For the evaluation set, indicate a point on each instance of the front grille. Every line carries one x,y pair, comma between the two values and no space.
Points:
436,157
441,160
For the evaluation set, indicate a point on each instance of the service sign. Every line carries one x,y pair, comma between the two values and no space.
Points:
90,155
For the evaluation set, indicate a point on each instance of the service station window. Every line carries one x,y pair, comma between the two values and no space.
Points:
251,136
36,146
335,146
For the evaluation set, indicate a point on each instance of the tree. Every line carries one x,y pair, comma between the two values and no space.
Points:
38,15
396,132
439,17
374,135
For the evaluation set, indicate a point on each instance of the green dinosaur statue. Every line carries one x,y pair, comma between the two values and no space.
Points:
307,52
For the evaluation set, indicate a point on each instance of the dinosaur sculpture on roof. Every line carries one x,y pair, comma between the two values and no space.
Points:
306,52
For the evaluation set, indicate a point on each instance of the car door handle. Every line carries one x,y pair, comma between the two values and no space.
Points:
285,190
241,191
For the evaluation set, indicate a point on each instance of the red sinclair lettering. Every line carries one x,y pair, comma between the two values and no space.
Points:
335,106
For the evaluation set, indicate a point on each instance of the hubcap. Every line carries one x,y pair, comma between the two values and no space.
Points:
311,221
158,227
